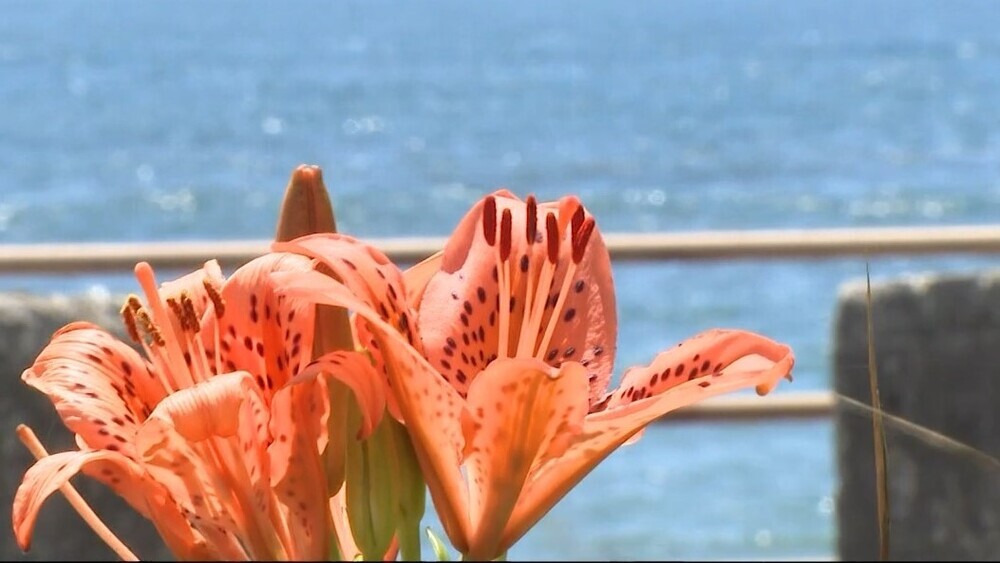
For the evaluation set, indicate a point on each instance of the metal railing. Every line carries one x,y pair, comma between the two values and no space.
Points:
712,245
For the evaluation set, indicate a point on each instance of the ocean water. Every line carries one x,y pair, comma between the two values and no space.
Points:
127,121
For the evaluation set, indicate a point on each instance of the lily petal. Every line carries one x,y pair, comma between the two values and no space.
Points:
417,276
430,407
50,473
520,413
356,371
220,485
736,360
101,388
259,331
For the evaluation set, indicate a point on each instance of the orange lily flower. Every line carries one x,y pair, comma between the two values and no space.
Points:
216,436
499,350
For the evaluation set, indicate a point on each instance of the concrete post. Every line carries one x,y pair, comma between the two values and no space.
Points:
937,342
26,324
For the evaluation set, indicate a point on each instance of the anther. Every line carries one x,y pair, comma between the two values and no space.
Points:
215,296
578,216
505,234
190,317
178,310
149,327
552,237
580,239
128,319
490,220
531,227
134,303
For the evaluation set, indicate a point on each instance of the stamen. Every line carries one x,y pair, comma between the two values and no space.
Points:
580,239
36,448
128,319
552,237
490,220
215,296
531,226
134,302
505,234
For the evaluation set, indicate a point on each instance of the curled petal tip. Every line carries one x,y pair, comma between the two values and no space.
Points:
306,208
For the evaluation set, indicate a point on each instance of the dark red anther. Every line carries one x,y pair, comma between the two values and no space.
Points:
505,233
552,237
580,239
531,227
490,220
578,216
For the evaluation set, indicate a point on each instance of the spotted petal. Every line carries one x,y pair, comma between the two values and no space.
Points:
711,363
520,413
101,388
52,472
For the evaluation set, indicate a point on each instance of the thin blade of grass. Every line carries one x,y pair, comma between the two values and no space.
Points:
943,442
878,434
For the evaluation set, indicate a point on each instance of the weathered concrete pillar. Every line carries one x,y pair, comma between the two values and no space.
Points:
26,324
937,342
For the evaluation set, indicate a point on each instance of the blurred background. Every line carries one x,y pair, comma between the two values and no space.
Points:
142,121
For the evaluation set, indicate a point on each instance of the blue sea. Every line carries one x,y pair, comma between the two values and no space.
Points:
142,121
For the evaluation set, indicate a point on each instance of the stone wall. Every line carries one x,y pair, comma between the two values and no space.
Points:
26,324
937,341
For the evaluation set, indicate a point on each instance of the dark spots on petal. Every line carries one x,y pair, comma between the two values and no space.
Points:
460,376
569,352
127,368
482,333
481,294
553,353
448,351
117,421
578,286
653,380
468,307
455,295
524,263
465,319
679,370
704,383
446,364
247,343
493,318
705,365
465,338
598,351
568,316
